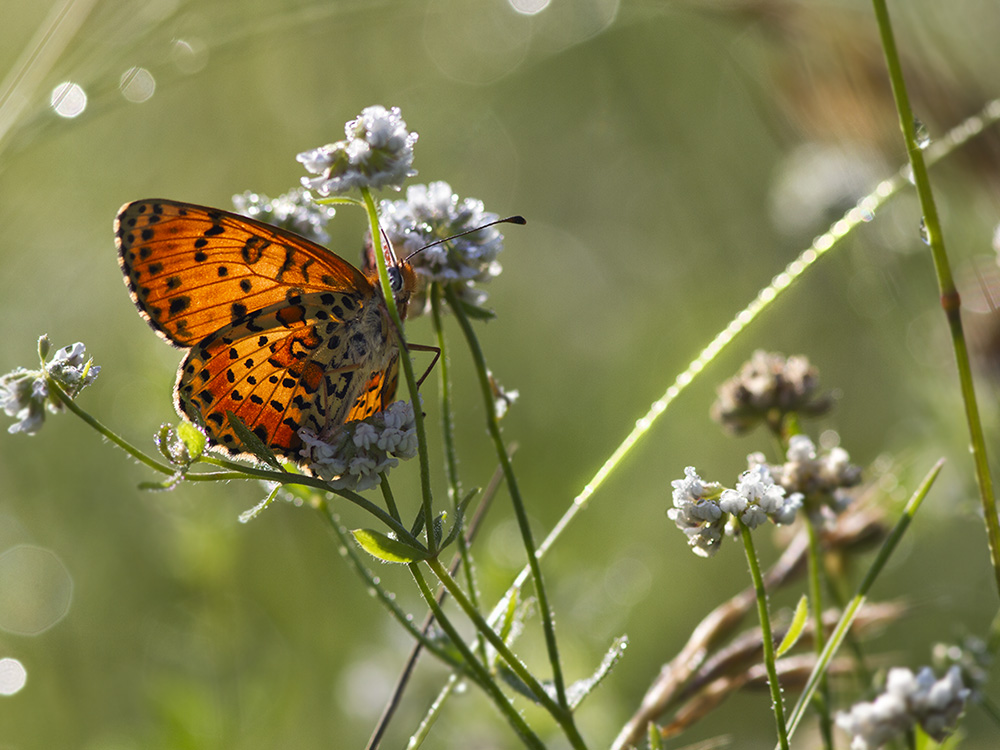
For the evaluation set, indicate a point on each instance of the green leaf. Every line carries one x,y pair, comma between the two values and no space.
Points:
162,441
248,515
439,527
507,626
459,518
167,484
655,738
387,549
475,312
518,685
418,524
796,627
580,689
251,442
193,439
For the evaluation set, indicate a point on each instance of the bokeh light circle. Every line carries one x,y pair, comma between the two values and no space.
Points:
35,590
68,99
13,676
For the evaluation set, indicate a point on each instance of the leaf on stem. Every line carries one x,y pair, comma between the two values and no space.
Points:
456,527
520,687
582,688
252,443
193,439
386,548
248,515
795,628
439,528
474,311
655,737
167,484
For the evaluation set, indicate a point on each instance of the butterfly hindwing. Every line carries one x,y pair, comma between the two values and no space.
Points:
280,369
192,270
379,391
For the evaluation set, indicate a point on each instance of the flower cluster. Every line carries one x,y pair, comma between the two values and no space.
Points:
697,513
702,510
757,498
377,152
908,699
820,477
973,659
295,211
766,388
355,454
433,212
25,394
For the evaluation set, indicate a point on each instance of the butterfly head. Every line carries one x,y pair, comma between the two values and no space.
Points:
402,278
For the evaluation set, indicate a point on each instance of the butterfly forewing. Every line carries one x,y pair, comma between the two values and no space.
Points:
281,332
192,270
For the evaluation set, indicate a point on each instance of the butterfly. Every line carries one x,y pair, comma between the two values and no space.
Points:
278,330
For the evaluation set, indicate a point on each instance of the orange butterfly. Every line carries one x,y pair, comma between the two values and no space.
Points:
278,330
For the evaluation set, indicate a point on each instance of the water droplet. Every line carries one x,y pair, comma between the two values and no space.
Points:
68,99
925,236
923,137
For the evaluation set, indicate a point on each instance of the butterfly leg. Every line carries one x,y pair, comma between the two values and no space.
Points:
426,348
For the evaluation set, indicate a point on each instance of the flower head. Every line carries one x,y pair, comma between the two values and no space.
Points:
377,152
757,498
434,212
696,512
821,478
295,211
909,699
768,387
356,453
24,394
702,510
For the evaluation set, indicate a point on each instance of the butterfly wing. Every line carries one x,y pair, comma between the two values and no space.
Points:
191,270
379,391
283,368
281,332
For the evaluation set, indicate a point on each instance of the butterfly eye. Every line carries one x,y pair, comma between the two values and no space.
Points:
395,279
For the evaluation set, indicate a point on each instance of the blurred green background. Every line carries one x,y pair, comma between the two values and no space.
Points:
671,157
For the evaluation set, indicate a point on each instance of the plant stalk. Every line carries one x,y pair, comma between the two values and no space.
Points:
950,300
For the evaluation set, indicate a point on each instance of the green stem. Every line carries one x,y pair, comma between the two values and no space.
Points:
559,713
958,137
121,442
515,494
239,471
347,546
407,362
390,501
284,477
765,632
424,728
451,454
851,610
946,284
822,699
477,668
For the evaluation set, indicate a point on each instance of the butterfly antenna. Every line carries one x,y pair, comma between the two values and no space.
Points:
507,220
